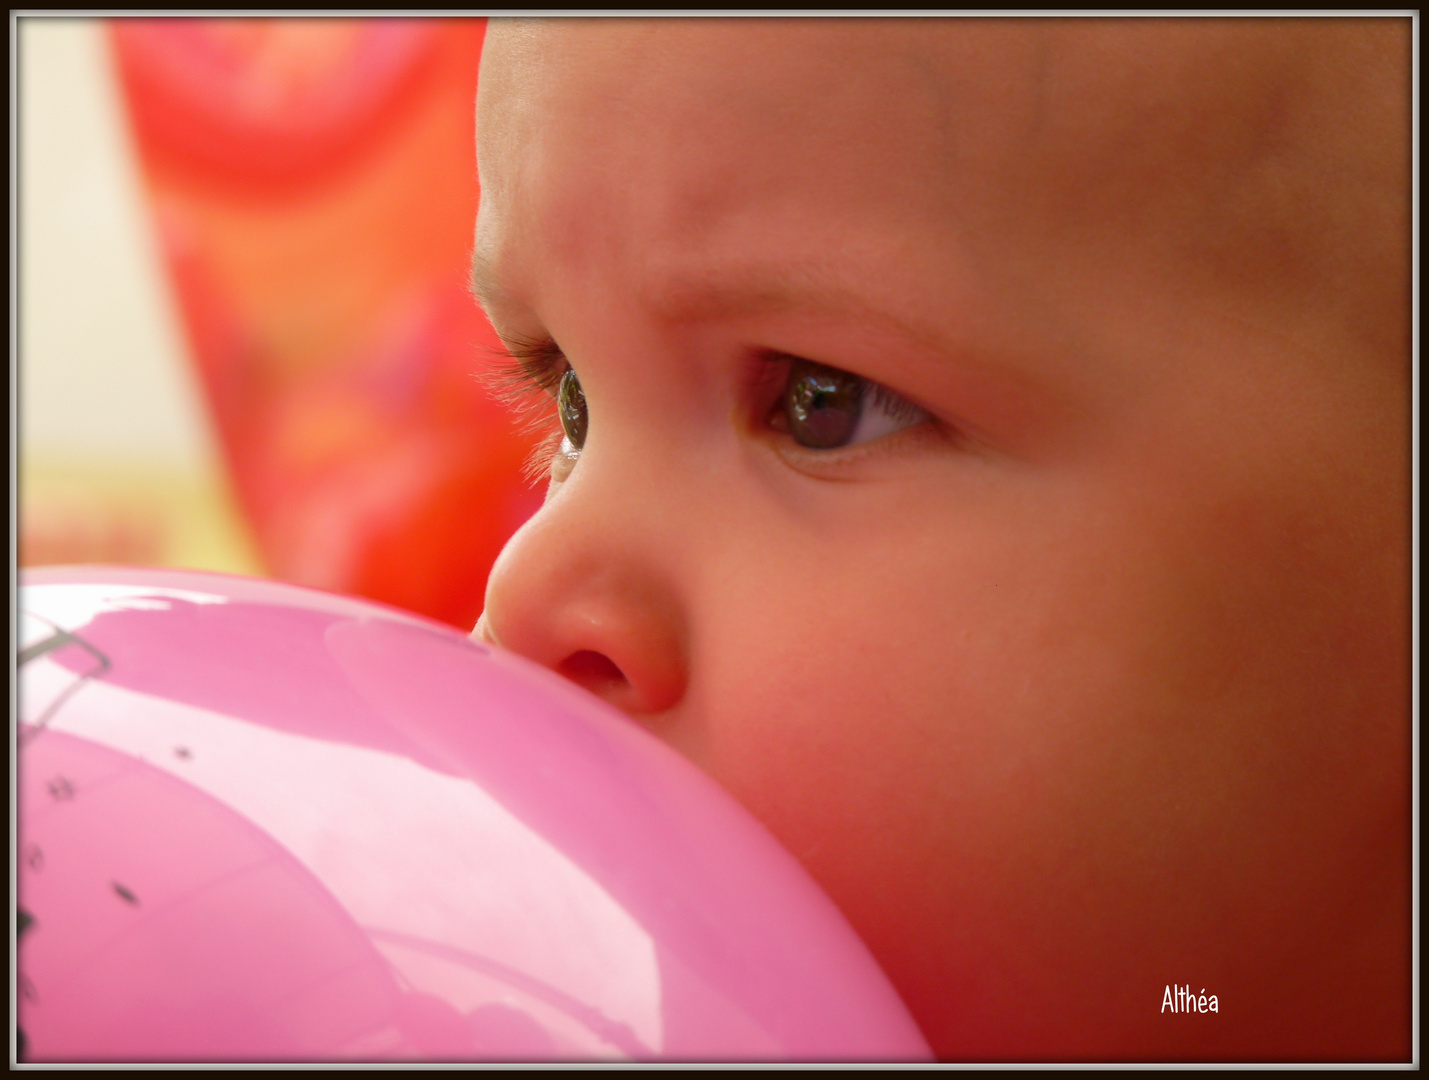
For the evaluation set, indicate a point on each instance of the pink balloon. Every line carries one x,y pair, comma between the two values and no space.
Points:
263,823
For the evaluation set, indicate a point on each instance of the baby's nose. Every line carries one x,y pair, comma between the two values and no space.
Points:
577,591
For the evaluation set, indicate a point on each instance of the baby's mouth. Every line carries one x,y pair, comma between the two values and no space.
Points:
482,634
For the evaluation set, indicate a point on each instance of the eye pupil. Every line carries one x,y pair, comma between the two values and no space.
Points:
570,404
822,404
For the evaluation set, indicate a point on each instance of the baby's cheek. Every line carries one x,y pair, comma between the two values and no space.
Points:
875,763
1006,779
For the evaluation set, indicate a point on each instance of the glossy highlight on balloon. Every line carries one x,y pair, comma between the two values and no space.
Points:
263,823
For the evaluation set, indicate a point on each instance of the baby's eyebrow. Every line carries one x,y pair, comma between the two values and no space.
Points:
683,296
729,293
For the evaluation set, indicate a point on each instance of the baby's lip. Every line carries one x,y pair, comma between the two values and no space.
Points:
482,633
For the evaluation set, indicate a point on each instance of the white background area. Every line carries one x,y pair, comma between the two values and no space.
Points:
117,460
102,368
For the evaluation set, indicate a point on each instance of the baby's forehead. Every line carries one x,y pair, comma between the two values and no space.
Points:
1091,111
1226,148
1106,91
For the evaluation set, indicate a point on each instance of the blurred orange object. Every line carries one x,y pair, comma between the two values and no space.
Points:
314,188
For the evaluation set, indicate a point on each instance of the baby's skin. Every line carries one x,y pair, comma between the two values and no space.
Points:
988,457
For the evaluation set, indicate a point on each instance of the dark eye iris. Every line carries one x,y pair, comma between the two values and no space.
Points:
570,403
822,404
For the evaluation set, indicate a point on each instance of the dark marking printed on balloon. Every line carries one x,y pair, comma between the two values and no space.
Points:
124,894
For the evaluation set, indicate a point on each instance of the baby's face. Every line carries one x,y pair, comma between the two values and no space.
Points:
993,475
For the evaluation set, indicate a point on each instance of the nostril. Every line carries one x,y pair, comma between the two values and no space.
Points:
592,670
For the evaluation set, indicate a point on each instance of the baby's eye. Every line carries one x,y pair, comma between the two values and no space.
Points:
570,404
824,408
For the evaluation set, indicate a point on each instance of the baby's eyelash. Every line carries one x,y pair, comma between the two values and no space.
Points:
525,379
898,408
530,365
